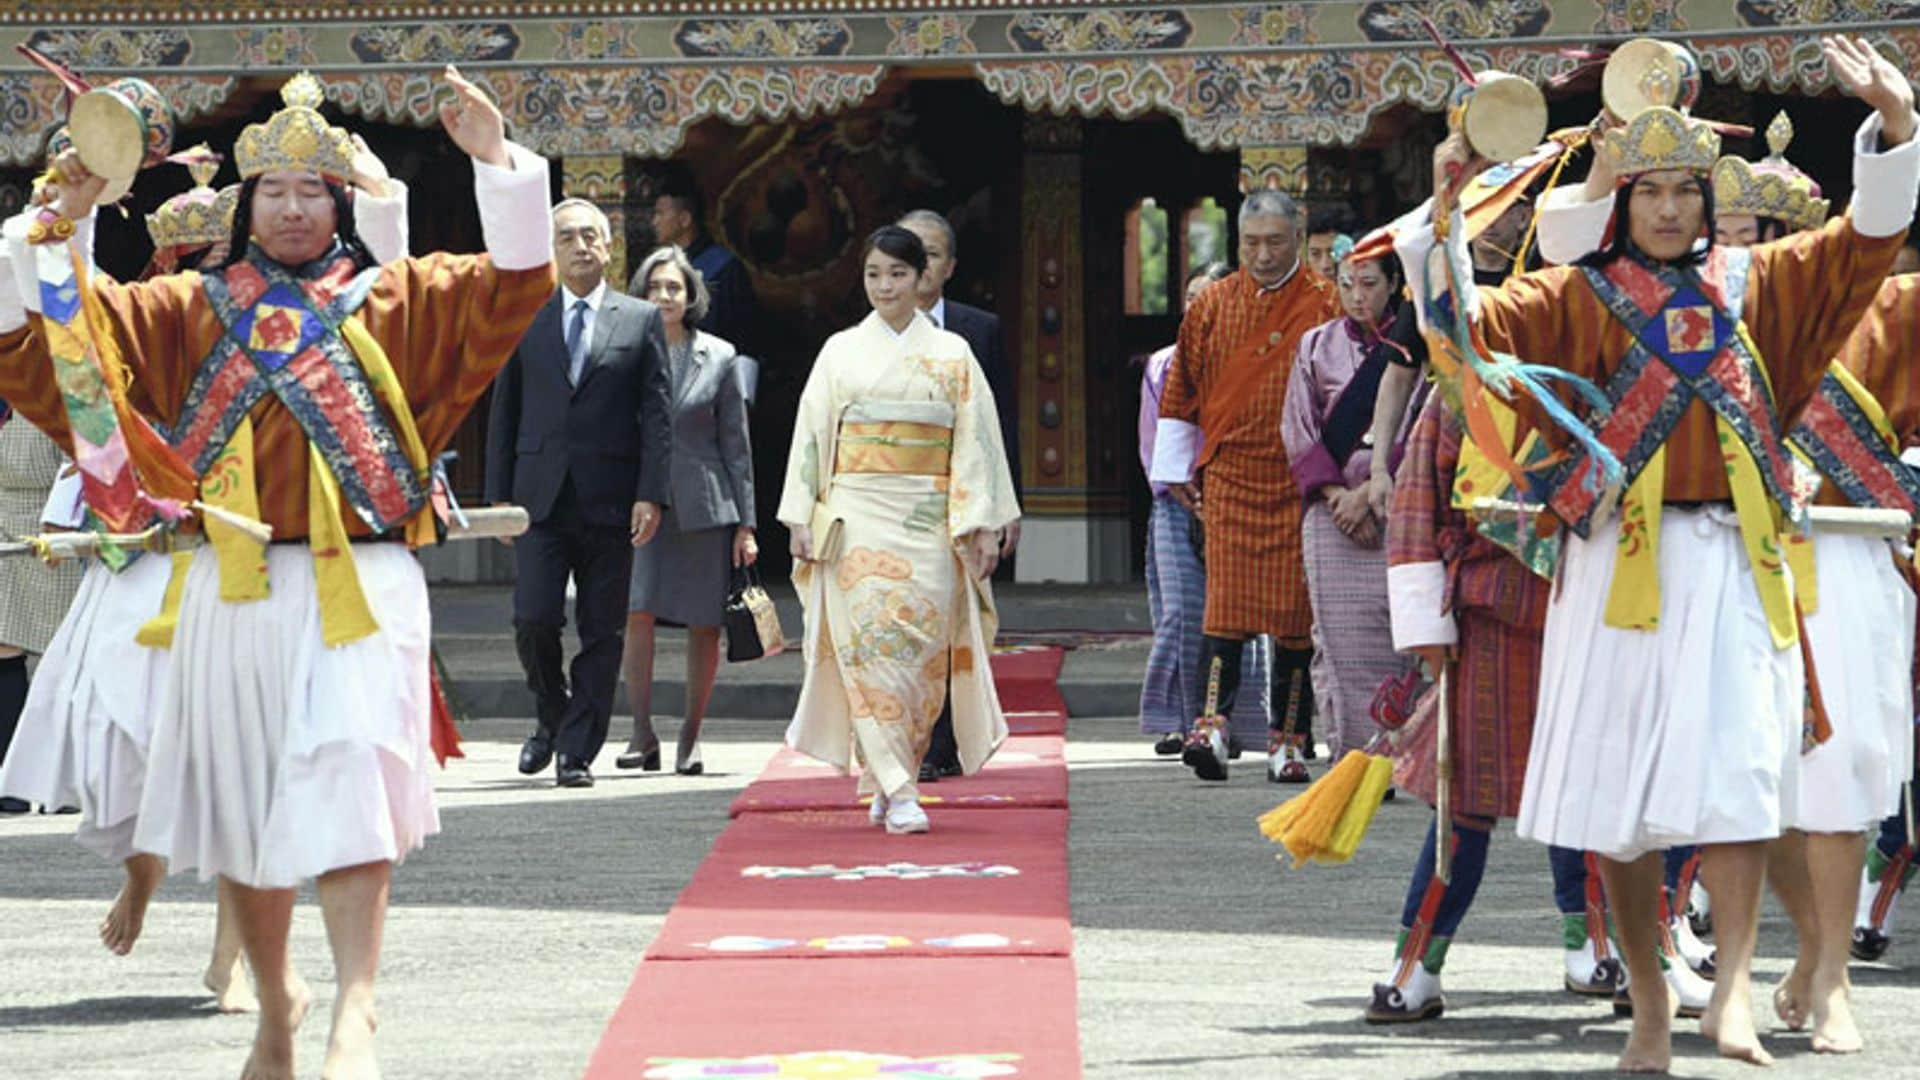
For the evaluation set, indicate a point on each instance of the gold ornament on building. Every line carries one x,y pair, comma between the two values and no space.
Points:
297,138
1660,138
1771,187
200,216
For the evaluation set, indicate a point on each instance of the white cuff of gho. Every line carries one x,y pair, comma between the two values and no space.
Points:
1415,592
1176,444
25,273
513,210
1884,184
381,222
1571,227
66,506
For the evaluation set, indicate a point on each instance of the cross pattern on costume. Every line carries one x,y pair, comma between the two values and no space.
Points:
1690,332
898,871
279,327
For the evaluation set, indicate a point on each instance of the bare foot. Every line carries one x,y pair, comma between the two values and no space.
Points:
350,1044
1650,1045
1834,1031
232,990
1790,999
1729,1023
272,1056
121,928
299,998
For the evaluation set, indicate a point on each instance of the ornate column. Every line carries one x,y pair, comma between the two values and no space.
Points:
602,179
1075,528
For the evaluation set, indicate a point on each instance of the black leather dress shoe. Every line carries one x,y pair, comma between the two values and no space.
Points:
11,805
535,753
571,773
932,770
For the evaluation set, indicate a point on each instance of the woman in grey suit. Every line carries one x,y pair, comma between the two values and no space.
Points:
682,577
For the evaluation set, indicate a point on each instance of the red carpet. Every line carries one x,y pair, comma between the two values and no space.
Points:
1025,774
812,944
822,884
953,1016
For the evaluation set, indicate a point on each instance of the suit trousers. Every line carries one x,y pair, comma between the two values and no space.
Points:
574,715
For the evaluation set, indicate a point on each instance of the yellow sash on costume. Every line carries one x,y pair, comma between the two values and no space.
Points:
1633,601
229,484
157,632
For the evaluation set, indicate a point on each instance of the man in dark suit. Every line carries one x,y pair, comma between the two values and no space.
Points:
981,329
733,312
580,434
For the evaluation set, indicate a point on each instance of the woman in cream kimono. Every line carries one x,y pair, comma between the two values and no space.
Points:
897,489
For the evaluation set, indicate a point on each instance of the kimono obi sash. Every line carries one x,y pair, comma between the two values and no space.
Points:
913,438
285,335
1688,344
1844,432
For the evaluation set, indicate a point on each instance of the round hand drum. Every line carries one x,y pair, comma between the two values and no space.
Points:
1503,117
62,140
121,128
1645,73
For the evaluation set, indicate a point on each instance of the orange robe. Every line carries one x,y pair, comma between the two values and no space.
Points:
1804,295
1229,378
446,322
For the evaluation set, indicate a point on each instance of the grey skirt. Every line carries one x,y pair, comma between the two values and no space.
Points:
682,577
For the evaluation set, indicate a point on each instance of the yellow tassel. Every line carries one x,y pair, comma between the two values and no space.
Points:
1305,829
1360,810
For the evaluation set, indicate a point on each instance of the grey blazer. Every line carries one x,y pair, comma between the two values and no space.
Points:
712,472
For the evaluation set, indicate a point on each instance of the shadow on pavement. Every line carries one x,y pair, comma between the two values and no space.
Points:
107,1011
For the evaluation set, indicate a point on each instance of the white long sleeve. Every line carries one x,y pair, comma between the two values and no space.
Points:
514,216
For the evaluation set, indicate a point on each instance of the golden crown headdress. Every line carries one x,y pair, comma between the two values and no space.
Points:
297,138
200,216
1660,138
1771,187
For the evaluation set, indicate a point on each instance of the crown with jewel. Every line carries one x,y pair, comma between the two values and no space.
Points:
1660,138
1771,187
297,138
200,216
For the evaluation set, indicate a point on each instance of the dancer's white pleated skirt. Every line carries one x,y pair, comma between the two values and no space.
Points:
1862,636
82,739
1685,734
276,759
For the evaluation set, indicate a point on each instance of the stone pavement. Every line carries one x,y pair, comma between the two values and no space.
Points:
514,933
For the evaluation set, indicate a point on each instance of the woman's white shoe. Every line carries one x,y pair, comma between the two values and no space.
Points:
906,817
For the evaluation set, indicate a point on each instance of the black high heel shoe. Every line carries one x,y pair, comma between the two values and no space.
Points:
694,767
645,761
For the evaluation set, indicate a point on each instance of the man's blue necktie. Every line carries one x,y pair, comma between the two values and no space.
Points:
577,342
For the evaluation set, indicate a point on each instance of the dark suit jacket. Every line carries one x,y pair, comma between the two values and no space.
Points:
733,312
982,331
612,434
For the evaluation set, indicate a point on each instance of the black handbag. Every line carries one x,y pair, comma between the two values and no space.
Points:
753,626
